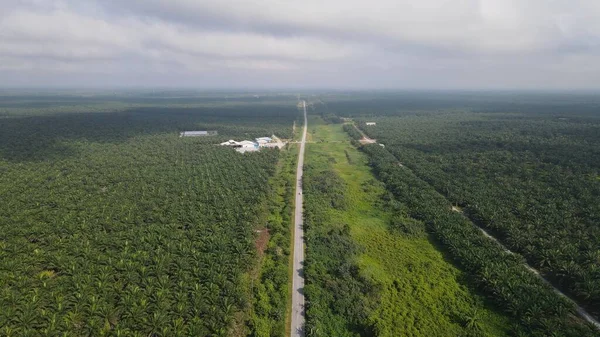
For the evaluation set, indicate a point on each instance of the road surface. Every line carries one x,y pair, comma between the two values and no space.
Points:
297,321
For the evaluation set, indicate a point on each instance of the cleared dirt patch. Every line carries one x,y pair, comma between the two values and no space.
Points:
366,140
457,209
262,241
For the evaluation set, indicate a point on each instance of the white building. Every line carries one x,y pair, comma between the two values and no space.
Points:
247,144
250,146
230,142
263,141
371,123
197,133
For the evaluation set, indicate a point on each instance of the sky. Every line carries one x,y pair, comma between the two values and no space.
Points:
338,44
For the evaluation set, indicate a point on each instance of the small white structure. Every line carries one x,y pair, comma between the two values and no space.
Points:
371,123
230,142
263,141
247,144
243,144
250,146
197,133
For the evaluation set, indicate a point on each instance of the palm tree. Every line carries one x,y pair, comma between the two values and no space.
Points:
472,320
588,288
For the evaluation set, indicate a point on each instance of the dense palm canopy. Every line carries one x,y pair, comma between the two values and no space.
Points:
110,224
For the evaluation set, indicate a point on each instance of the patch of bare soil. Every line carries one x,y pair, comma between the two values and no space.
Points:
366,140
262,241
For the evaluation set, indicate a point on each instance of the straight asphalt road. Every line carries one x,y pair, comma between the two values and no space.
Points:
298,273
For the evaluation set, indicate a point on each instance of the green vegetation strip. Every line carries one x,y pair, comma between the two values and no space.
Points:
271,293
371,270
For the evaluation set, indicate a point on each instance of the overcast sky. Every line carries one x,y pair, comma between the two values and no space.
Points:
436,44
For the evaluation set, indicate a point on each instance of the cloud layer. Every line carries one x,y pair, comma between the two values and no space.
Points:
537,44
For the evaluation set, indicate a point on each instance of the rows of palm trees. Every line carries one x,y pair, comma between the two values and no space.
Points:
532,180
148,236
536,308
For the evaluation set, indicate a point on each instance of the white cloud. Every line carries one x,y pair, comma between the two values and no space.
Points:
65,34
475,25
235,45
334,42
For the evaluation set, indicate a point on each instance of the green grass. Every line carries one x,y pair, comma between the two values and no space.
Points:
419,293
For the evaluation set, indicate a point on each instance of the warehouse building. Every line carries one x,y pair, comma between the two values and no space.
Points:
197,133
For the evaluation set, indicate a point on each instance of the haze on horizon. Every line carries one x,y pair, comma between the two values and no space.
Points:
385,44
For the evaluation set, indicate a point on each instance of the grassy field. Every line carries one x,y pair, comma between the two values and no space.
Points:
418,293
